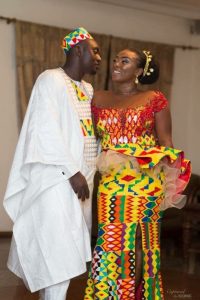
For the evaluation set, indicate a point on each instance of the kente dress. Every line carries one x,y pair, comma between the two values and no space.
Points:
139,179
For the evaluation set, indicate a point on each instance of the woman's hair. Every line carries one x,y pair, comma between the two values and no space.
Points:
147,63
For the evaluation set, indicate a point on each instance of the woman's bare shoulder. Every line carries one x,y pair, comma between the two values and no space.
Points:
148,94
100,97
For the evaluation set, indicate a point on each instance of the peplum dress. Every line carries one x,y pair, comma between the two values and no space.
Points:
139,180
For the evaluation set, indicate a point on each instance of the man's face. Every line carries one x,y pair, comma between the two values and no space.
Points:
91,57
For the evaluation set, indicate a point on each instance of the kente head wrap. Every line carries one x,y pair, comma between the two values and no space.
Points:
74,37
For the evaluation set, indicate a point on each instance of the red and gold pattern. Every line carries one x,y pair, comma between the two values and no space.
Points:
128,126
130,196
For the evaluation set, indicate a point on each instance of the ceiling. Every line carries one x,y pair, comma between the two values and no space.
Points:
178,2
189,9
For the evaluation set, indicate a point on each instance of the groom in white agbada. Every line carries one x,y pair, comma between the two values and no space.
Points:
49,191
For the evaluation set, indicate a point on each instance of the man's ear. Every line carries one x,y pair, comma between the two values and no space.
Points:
78,50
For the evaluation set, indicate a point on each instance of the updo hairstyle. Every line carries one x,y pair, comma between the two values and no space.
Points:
147,63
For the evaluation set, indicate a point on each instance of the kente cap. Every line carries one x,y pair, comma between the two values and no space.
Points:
75,37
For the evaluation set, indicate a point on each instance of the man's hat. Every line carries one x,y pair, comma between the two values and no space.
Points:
74,37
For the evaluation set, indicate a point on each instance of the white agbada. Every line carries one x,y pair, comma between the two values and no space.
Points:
51,241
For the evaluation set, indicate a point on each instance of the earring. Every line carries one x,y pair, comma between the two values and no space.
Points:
136,80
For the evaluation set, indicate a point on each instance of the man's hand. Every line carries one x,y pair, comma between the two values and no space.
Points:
80,186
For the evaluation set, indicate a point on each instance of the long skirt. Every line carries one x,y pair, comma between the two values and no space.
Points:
127,198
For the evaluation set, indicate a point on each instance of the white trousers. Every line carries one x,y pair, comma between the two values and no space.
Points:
55,292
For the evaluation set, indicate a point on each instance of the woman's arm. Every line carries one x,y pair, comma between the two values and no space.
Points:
163,126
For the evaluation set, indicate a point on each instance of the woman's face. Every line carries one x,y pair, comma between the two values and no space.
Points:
125,66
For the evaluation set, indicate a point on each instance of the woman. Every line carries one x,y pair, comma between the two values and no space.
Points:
142,174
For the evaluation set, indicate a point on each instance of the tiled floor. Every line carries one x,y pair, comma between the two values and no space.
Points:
177,284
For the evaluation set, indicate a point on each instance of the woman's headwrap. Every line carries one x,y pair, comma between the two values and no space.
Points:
74,37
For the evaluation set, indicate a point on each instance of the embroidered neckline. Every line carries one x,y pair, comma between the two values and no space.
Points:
136,107
81,103
80,94
77,93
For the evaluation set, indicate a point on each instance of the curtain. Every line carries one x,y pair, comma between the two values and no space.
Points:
38,48
164,54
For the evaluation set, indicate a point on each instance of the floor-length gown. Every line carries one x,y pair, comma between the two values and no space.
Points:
139,179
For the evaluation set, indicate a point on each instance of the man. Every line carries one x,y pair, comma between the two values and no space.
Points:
49,190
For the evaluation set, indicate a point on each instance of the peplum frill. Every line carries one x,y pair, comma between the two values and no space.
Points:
176,168
139,180
129,135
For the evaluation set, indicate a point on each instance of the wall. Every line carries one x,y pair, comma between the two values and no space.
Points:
8,112
185,105
100,18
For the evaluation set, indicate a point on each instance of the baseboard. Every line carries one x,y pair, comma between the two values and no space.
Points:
5,234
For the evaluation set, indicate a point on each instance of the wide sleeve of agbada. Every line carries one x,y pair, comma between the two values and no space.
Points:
51,242
42,144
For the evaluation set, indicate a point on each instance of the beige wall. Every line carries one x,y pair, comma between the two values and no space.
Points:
185,105
107,19
8,115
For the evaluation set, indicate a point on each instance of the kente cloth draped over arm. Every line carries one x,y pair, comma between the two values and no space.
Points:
39,199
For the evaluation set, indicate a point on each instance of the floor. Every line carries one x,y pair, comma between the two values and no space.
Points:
177,284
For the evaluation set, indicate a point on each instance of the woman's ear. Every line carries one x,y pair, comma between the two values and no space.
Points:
139,72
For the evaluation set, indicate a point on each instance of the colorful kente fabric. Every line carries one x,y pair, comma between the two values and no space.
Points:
129,197
131,132
86,123
80,95
87,127
124,204
74,37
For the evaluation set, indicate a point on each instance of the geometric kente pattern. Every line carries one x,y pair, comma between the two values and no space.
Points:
87,126
74,37
112,274
129,197
80,95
